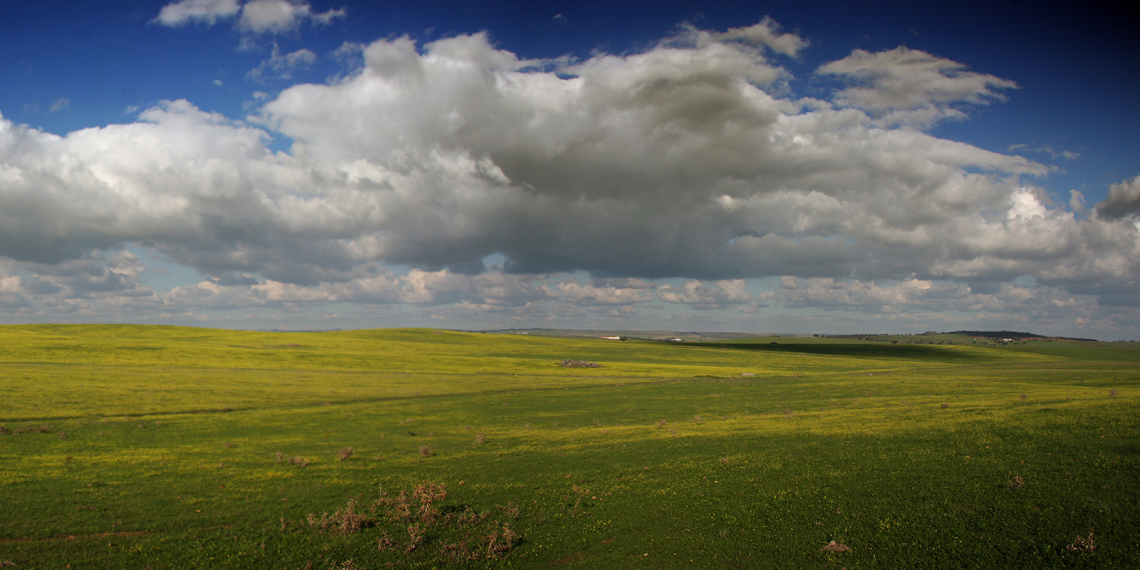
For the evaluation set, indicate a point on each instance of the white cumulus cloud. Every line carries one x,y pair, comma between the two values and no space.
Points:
688,160
766,33
1123,200
256,16
282,66
278,16
726,293
197,11
911,86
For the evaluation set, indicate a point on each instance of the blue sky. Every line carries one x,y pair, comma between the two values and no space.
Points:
763,167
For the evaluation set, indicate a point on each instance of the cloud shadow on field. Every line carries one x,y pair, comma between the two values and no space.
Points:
898,351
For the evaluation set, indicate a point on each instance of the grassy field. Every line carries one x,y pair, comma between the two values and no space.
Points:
167,447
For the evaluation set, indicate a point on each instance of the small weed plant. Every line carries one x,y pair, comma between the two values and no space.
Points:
292,460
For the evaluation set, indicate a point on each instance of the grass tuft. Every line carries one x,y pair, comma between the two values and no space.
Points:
577,494
416,521
343,521
1083,543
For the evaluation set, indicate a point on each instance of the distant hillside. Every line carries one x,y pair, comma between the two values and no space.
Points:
1015,335
929,337
632,334
959,337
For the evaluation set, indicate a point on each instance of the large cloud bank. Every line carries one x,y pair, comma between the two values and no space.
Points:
690,160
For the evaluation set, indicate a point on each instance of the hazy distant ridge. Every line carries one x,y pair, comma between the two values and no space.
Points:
1015,335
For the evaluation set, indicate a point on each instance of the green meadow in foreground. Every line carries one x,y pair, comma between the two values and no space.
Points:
167,447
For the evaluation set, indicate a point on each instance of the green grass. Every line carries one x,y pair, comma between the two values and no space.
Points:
159,449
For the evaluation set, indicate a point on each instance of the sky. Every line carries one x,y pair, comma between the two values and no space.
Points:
768,167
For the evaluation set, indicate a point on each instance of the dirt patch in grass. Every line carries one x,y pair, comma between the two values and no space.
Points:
836,547
568,363
568,560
